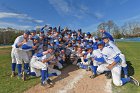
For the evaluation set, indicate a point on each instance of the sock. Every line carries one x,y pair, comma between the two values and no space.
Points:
43,75
13,67
26,67
19,67
94,69
125,80
47,74
125,70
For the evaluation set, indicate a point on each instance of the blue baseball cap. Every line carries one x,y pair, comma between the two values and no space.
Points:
78,39
88,33
32,31
36,38
100,43
104,37
27,32
96,37
88,47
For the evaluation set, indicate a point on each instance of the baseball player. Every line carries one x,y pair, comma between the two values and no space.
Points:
19,53
86,59
109,41
39,62
113,64
97,60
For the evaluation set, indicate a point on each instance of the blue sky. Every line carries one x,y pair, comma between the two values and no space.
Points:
85,14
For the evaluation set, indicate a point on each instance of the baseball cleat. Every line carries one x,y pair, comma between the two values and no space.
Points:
13,74
134,81
19,76
23,76
49,82
125,76
43,83
93,76
108,75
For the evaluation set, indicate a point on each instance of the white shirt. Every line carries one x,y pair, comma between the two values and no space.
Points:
108,54
114,47
97,53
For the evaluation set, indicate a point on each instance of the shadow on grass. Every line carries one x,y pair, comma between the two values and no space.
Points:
131,70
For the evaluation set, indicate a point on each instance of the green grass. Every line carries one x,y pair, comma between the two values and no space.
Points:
13,85
8,84
132,53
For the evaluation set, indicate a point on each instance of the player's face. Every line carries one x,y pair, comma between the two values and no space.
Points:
25,36
50,50
89,50
106,40
36,41
100,46
79,41
96,40
33,33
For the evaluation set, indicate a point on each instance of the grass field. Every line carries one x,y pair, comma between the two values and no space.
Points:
132,53
13,85
8,84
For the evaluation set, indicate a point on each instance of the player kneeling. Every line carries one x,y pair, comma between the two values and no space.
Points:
39,63
113,64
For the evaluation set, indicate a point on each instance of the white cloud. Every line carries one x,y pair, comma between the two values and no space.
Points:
13,25
61,6
23,17
72,8
10,15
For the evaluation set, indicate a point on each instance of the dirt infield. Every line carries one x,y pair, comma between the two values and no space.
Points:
75,80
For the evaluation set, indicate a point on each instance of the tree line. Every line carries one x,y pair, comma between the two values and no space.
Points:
8,35
128,30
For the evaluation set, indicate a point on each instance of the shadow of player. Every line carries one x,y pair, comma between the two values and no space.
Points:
131,71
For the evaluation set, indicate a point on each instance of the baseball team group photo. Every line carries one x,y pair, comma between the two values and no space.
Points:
67,46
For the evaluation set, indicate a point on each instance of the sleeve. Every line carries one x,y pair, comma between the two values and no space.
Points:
25,46
39,54
101,59
117,59
109,35
18,40
85,60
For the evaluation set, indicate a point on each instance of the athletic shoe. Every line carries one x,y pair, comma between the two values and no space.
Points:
93,76
13,74
23,76
134,81
49,82
19,76
43,83
125,76
108,75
